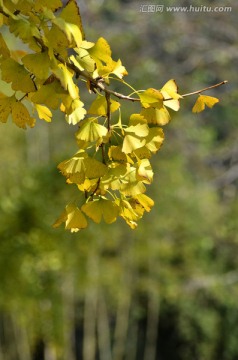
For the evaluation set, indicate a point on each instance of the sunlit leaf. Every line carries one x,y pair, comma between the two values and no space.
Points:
65,77
99,106
151,98
81,166
145,201
71,14
135,134
144,171
43,112
90,130
101,208
170,90
73,218
155,139
202,101
157,116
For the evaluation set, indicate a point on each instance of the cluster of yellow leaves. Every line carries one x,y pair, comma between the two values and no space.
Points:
112,166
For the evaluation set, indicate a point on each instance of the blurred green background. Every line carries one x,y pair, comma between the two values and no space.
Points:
167,290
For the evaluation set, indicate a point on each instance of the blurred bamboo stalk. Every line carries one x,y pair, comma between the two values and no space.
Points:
103,328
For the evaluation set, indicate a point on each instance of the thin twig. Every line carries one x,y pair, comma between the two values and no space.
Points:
205,89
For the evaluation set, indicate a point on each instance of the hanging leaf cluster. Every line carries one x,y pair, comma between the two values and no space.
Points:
112,167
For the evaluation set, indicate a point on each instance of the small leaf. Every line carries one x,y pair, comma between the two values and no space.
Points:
170,90
43,112
203,100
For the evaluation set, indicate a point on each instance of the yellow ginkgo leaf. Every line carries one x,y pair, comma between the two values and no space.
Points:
144,171
145,201
157,116
43,112
151,98
203,100
128,213
90,130
72,32
71,14
170,90
135,137
21,116
101,208
99,106
101,52
155,139
64,75
73,218
52,4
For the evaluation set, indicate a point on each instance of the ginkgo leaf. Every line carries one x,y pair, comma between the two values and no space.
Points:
99,106
76,112
170,90
52,4
73,218
101,208
81,166
43,112
6,106
71,14
145,201
151,98
21,116
101,52
90,130
64,75
131,186
4,51
112,67
38,64
128,213
115,176
49,95
157,116
144,171
135,137
13,72
71,31
25,30
84,61
115,153
56,40
155,139
202,101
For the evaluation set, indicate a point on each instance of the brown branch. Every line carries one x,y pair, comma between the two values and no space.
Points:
205,89
108,96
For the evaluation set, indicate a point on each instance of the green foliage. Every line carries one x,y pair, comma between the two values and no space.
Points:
112,167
